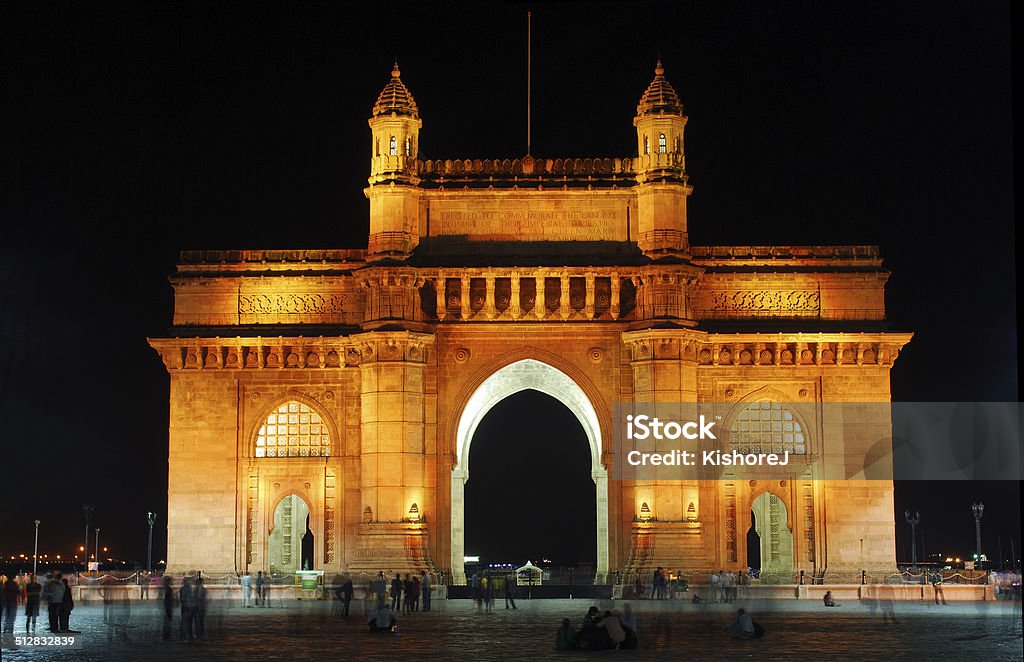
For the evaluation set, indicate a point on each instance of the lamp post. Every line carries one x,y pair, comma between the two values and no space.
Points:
151,518
913,522
978,509
35,551
97,548
87,509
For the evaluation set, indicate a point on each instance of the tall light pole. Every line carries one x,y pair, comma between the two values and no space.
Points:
35,551
151,518
913,522
978,509
97,548
87,509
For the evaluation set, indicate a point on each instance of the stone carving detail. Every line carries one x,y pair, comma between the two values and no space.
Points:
290,304
595,354
461,355
253,503
730,522
808,491
329,537
781,302
774,517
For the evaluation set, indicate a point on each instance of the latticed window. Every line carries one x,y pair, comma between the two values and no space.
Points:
293,430
767,427
394,146
662,143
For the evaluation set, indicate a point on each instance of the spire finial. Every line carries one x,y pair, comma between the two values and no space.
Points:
395,73
658,69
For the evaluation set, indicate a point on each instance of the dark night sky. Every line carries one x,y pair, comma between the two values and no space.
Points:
133,132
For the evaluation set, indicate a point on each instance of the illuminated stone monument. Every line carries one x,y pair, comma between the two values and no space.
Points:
342,387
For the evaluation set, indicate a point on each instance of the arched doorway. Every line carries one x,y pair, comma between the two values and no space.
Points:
509,380
531,439
290,545
774,551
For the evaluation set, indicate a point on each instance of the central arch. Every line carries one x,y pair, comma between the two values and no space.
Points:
511,379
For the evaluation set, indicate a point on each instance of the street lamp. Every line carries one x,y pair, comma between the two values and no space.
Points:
913,522
151,518
978,509
35,551
97,548
87,509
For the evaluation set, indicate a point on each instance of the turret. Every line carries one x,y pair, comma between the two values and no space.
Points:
394,198
661,169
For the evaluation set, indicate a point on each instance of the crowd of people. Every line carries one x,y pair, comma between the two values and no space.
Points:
607,631
26,590
487,586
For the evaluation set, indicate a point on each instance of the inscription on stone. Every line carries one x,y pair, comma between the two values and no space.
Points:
519,224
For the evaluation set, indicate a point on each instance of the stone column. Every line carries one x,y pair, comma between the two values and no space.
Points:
489,308
564,308
616,284
393,460
589,305
442,301
466,310
538,301
513,305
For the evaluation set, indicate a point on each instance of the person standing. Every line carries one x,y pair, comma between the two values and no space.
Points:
510,588
723,595
396,592
246,582
656,585
67,603
33,589
346,592
167,594
199,609
261,587
378,587
187,600
11,590
425,588
53,593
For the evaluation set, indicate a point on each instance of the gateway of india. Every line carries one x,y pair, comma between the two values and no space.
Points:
323,402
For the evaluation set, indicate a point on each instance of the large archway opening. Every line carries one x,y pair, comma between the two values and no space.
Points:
290,545
530,495
774,539
523,375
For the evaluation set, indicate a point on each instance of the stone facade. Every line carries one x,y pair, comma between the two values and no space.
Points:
353,379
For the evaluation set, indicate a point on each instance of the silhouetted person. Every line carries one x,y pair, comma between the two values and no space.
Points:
378,587
396,592
261,589
829,600
345,593
33,589
564,636
200,607
11,591
167,595
381,619
67,603
510,588
188,603
425,590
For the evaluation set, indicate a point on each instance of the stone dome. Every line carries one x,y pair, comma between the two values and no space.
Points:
395,98
659,97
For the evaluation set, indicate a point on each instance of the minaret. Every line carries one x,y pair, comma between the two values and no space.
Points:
394,197
661,170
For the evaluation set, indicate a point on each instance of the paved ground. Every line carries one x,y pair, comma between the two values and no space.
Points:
455,630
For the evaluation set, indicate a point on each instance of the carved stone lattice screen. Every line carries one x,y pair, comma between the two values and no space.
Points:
293,430
767,427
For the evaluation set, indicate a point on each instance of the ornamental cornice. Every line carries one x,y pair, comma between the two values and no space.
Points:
284,353
788,349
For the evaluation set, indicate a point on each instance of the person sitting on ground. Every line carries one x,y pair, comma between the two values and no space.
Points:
564,636
613,626
696,599
591,637
382,619
829,600
742,627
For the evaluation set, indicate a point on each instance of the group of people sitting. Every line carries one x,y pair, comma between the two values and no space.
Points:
382,618
599,632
